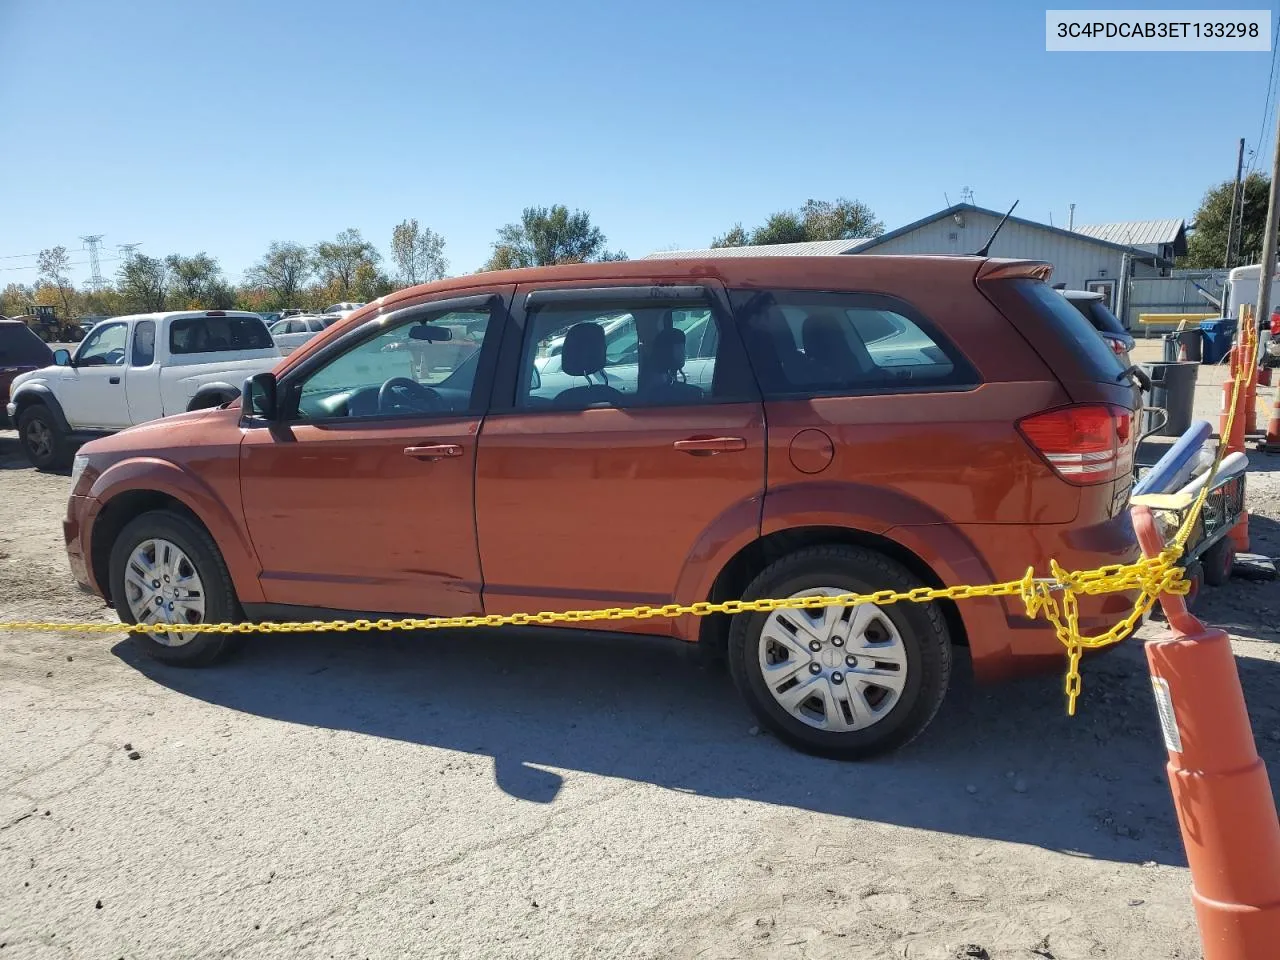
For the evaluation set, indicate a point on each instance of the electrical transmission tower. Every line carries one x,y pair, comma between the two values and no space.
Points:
126,249
91,244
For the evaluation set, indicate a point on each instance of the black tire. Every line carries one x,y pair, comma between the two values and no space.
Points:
1218,562
1193,573
206,401
221,605
46,445
922,627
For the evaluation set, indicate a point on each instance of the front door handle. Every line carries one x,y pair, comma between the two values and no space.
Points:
434,451
707,446
113,380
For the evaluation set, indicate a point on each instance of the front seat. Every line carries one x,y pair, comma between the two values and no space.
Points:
662,371
583,355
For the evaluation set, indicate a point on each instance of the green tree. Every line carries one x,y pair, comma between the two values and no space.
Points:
338,260
1207,245
549,235
143,282
734,237
370,283
284,270
54,265
840,219
196,282
418,253
16,299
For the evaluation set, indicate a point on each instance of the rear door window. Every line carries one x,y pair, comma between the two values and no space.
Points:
805,343
19,347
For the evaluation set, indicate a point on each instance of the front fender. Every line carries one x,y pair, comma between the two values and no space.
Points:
153,474
24,394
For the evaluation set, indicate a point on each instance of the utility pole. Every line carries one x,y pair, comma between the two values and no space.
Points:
1071,216
1233,239
1268,266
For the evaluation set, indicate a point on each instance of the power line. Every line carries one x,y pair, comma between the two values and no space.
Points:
78,263
1266,103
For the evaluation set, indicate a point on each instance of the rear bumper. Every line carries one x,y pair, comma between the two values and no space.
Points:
1004,642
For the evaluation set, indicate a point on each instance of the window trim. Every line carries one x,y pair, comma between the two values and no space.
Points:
517,342
746,301
372,328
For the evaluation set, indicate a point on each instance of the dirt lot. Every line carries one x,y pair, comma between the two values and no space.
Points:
483,795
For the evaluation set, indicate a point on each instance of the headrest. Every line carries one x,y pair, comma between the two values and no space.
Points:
667,352
583,350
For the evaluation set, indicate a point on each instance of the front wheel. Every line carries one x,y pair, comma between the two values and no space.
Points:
165,568
841,682
42,440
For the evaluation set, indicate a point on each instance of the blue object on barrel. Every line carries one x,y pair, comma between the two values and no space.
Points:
1174,468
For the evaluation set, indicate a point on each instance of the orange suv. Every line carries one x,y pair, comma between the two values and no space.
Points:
645,433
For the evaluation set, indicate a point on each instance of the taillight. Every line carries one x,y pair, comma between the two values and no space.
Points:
1086,443
1117,347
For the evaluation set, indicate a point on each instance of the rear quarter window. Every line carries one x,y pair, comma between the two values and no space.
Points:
19,347
218,335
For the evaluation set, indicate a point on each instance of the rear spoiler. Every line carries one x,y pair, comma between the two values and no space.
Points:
1011,269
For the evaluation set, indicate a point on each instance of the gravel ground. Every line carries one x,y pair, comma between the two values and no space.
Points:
483,795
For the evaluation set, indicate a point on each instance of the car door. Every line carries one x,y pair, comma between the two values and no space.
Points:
142,378
93,396
593,488
360,497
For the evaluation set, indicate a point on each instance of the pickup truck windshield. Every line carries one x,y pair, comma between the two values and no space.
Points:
218,335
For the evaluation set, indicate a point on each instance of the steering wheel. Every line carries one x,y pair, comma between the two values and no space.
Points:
400,395
115,357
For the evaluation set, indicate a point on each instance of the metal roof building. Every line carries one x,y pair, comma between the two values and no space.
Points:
1166,238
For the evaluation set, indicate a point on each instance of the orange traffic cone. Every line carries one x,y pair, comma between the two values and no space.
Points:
1228,390
1226,811
1272,442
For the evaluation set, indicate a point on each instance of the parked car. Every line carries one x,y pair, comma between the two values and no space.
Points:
129,370
991,431
20,351
293,332
343,308
1100,317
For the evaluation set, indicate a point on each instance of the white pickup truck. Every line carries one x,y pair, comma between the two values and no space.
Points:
129,370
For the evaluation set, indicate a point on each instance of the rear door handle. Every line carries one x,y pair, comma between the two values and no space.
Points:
434,451
710,445
113,380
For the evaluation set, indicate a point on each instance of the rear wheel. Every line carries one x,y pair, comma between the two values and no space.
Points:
842,682
1218,562
1193,573
42,440
165,568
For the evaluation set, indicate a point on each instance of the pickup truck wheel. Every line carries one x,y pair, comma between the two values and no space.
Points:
840,682
166,568
44,443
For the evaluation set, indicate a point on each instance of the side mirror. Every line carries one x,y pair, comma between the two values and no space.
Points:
430,332
62,357
260,397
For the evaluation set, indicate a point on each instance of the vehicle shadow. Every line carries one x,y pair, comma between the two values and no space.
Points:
12,457
1003,763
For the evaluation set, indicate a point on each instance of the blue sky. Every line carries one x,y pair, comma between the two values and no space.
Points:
223,125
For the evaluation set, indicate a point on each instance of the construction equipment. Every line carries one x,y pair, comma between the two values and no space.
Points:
44,321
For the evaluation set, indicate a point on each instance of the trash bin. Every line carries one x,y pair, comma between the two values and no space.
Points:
1192,340
1218,335
1170,348
1173,389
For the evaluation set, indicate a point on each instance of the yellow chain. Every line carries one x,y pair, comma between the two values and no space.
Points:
1054,597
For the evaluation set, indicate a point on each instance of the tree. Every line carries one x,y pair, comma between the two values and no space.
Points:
1207,245
284,271
418,253
53,265
549,235
338,260
195,282
840,219
16,298
735,237
143,281
370,283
